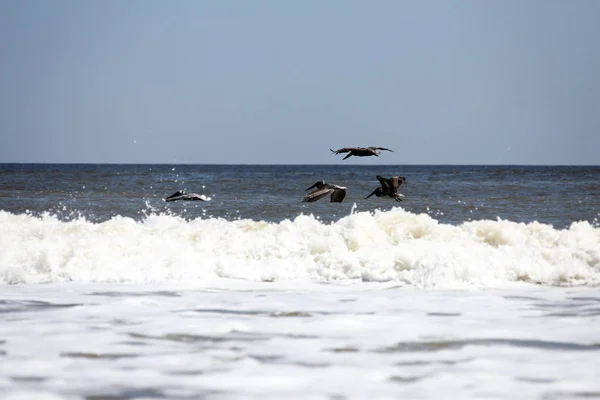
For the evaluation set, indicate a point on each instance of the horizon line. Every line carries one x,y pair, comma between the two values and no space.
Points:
301,164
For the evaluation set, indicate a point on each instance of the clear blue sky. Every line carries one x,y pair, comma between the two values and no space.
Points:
260,82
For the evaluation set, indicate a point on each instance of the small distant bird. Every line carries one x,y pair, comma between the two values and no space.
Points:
323,189
389,187
181,195
360,151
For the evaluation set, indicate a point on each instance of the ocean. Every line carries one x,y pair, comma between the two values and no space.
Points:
483,283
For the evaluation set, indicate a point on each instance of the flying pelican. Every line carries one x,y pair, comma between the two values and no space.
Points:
323,189
389,187
360,151
181,195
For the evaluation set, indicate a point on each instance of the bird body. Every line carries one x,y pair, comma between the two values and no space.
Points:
181,195
360,151
322,189
389,187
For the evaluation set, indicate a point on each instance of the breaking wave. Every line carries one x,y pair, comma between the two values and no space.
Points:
395,245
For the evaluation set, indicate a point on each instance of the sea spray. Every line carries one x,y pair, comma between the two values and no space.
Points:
396,245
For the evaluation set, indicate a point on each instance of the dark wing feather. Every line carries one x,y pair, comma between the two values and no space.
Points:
345,150
337,196
175,196
380,148
180,195
317,194
376,192
193,197
386,185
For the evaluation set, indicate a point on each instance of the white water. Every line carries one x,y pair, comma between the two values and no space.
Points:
393,246
174,309
248,340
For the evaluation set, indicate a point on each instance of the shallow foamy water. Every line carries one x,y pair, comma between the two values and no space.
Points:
297,340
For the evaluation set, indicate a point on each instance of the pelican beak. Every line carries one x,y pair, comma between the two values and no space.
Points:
313,186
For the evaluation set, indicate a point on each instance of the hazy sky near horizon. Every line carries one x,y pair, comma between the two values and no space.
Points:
277,82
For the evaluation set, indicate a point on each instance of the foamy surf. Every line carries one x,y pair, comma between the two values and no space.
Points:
396,245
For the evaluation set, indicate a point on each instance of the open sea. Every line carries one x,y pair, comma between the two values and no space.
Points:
484,283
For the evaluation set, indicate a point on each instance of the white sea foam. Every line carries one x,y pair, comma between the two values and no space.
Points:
396,245
269,341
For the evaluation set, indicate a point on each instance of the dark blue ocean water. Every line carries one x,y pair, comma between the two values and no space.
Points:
451,194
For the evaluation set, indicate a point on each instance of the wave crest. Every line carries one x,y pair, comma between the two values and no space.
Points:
394,245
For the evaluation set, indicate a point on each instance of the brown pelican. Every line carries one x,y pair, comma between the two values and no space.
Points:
181,195
360,151
323,189
389,187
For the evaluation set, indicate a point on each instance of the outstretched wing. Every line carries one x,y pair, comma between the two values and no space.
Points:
317,194
379,148
194,197
337,196
386,185
376,192
175,196
344,150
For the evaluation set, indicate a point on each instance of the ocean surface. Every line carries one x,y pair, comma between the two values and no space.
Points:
483,283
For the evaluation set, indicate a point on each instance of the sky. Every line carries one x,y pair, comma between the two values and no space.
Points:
282,82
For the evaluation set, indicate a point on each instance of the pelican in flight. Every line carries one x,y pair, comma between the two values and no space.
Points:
323,189
360,151
389,187
182,195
